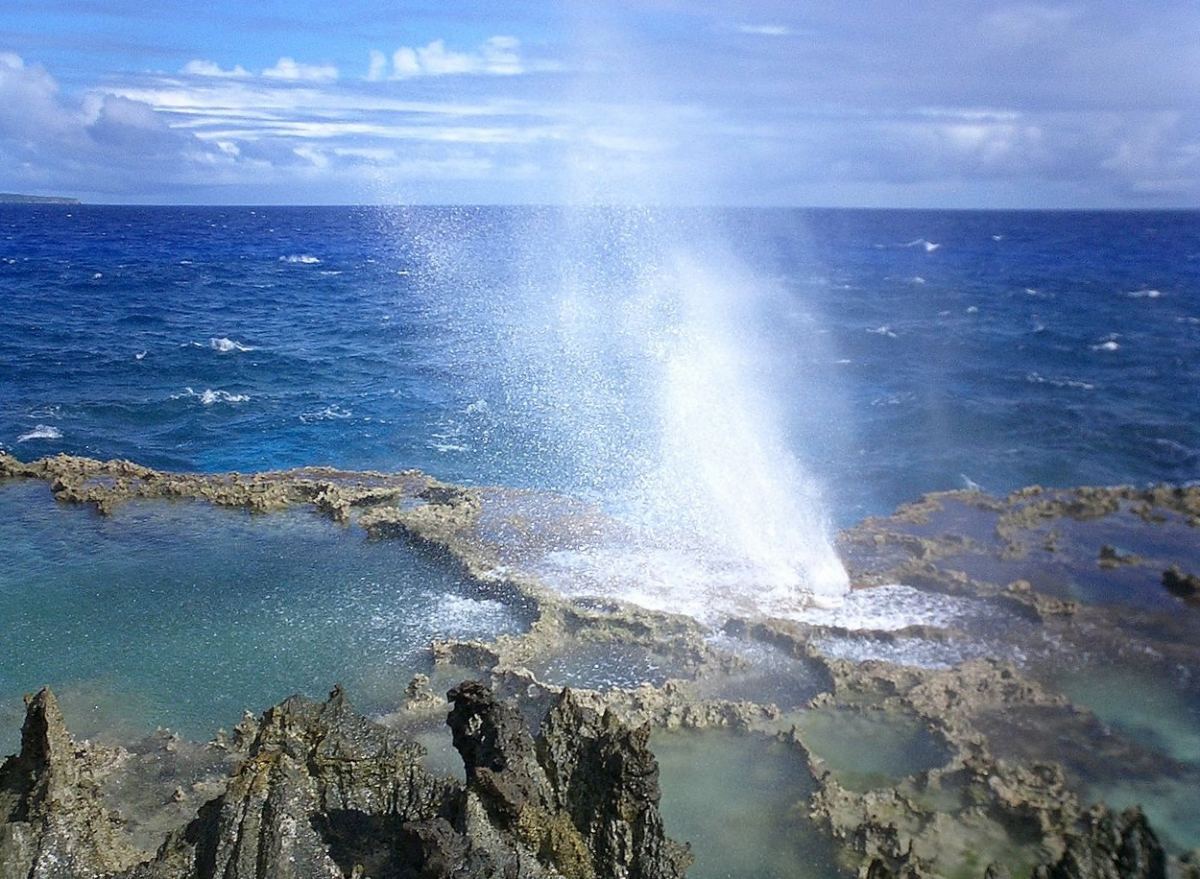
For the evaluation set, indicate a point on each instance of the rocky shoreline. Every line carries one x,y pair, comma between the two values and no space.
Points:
1021,590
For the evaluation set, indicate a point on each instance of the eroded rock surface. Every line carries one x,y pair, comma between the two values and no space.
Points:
324,793
52,822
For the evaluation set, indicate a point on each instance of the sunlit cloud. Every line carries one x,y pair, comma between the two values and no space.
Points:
498,56
201,67
765,30
290,69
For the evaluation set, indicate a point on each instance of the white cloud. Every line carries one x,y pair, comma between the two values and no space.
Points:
765,30
104,142
379,66
1027,23
497,56
202,67
290,69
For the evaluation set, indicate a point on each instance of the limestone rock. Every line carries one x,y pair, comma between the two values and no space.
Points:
1110,846
52,823
324,793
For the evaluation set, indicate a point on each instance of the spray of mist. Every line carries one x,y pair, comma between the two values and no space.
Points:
627,356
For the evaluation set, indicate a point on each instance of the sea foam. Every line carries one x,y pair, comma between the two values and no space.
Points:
208,396
41,432
306,259
225,345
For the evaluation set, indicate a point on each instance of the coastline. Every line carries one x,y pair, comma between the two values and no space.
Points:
966,657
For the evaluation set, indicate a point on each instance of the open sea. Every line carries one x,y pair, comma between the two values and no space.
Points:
887,354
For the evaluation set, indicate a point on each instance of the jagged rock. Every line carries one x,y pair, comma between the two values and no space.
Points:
1110,846
606,778
583,796
52,823
324,793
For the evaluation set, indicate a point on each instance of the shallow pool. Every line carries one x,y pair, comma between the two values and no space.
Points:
181,614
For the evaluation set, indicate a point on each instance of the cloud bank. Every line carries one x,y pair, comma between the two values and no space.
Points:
1004,104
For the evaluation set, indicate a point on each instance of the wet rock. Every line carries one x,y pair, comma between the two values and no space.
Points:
1110,846
1021,597
1111,557
1182,584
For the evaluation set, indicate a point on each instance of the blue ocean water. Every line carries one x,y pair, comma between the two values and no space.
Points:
893,352
930,348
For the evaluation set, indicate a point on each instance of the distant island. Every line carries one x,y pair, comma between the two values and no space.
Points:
15,198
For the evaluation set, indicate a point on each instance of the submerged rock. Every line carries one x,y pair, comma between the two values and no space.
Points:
324,793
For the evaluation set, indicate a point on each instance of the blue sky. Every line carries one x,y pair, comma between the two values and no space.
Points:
926,103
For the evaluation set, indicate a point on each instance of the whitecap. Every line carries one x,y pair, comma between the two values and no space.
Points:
97,276
329,273
930,246
918,280
141,355
448,447
883,330
226,345
329,413
1143,294
1039,379
997,237
969,484
208,396
477,408
1108,343
306,259
973,309
1177,448
41,432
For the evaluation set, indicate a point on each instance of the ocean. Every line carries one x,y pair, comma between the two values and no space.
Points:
823,365
932,349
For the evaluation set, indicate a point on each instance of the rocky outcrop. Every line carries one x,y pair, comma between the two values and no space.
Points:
1110,846
1180,583
52,822
324,793
583,795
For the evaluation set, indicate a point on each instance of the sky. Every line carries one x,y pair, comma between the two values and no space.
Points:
842,103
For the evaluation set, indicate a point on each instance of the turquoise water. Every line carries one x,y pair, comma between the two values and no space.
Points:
181,614
1162,716
742,804
870,749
